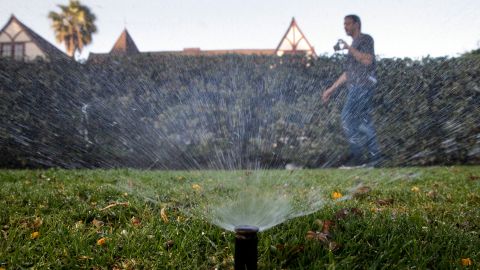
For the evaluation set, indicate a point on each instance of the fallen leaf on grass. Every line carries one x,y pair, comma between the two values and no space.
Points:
127,264
323,238
296,249
325,225
37,223
169,244
35,235
79,225
23,224
415,189
432,194
102,241
320,236
473,177
336,195
97,223
324,235
279,247
196,187
85,258
384,202
135,221
163,215
348,212
466,262
114,204
361,191
333,246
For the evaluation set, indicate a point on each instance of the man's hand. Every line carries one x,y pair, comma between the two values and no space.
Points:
340,81
344,44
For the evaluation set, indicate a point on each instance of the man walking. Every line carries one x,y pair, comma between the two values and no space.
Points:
359,75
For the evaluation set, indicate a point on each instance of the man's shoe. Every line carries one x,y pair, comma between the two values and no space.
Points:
345,167
352,163
374,163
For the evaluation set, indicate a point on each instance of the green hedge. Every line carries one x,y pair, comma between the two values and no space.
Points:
232,111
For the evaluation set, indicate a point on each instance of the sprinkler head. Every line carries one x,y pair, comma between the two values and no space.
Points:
246,247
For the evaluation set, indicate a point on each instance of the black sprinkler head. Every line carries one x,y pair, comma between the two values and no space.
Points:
246,249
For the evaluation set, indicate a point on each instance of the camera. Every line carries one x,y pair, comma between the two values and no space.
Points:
338,46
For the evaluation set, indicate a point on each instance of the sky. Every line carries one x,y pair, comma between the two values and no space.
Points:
400,28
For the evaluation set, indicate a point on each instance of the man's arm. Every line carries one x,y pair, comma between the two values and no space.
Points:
341,80
362,57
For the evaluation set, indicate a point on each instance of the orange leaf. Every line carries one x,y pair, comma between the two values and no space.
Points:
35,235
336,195
102,241
466,262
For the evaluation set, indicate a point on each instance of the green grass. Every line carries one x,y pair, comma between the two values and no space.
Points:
433,222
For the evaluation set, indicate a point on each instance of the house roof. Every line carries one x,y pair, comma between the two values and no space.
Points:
294,41
124,45
43,44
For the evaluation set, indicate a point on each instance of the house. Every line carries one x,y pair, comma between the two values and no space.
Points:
293,42
19,42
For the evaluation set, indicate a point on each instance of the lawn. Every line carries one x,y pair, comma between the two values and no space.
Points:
391,218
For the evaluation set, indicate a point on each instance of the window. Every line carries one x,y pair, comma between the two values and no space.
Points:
6,50
18,51
13,50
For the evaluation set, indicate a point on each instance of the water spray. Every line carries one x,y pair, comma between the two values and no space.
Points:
246,250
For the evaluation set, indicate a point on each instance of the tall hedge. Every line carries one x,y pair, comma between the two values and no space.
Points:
178,112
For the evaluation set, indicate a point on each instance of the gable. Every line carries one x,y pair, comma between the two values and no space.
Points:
35,45
294,41
12,29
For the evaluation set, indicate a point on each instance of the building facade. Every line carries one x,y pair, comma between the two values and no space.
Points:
19,42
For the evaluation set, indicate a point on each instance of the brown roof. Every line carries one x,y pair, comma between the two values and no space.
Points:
124,45
50,50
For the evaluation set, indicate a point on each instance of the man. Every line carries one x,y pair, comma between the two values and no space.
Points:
359,76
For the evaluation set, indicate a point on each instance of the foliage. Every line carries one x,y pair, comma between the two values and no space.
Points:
74,26
165,111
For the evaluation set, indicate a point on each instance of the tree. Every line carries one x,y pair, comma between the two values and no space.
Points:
74,26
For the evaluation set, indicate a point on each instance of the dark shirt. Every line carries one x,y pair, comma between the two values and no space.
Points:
359,74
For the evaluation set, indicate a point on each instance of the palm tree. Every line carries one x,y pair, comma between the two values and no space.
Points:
73,26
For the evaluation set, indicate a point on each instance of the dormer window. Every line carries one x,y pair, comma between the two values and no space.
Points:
13,50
